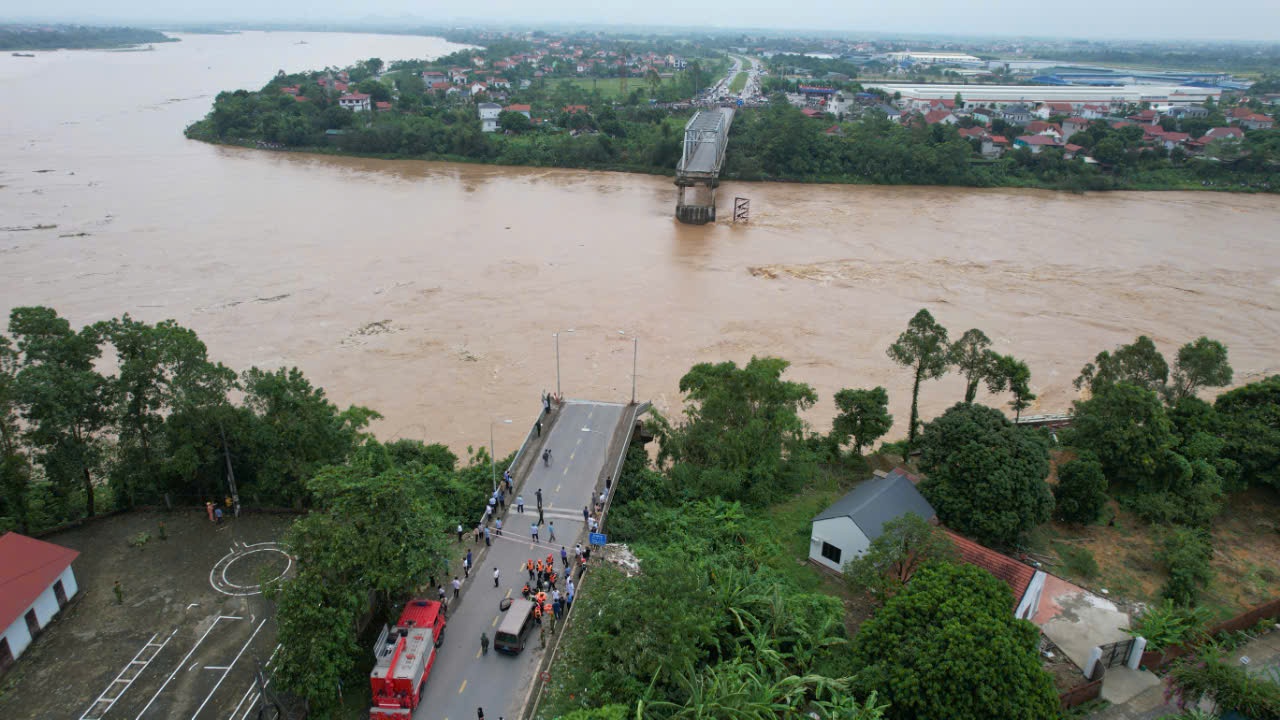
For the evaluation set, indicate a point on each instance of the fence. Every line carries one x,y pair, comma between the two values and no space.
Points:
1082,694
1156,661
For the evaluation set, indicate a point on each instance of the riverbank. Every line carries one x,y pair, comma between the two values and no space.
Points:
1100,183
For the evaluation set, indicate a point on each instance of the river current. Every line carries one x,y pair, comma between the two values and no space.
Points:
431,291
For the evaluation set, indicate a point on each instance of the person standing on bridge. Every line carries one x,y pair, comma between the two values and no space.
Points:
497,527
457,586
466,564
533,530
538,494
586,515
564,556
495,577
520,504
551,531
486,536
459,533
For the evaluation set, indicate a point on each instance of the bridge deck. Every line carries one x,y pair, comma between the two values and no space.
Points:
705,138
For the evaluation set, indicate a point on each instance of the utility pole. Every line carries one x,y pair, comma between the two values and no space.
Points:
231,475
635,352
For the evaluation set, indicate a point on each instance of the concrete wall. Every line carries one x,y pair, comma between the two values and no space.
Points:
842,533
46,607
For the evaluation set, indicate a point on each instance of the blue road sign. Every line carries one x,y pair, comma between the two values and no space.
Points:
598,539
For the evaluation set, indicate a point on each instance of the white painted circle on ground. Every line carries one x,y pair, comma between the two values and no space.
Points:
218,575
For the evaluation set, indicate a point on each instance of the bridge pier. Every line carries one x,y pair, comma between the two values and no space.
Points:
698,174
696,201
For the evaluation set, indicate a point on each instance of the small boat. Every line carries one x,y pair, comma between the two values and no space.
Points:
24,54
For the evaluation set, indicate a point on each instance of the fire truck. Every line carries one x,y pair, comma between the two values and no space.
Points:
405,655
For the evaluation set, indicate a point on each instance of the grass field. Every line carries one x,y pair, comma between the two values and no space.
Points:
739,81
608,87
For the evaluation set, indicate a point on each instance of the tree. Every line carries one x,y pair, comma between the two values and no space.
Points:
742,434
904,545
972,356
948,647
923,348
378,533
1139,364
864,416
297,431
513,122
986,476
1081,492
15,472
1012,374
1186,556
1250,418
161,367
1126,428
63,398
1200,364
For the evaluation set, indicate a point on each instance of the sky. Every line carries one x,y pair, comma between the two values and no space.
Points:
1109,19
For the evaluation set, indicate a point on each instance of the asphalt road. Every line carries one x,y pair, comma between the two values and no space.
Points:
463,680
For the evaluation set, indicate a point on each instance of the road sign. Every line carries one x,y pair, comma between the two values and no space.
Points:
598,539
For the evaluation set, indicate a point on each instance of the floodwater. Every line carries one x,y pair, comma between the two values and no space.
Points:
431,291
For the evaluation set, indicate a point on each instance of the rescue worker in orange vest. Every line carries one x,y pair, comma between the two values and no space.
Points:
529,566
549,613
537,613
552,580
551,562
525,592
540,566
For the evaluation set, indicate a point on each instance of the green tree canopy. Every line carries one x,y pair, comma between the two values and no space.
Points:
1250,418
63,399
1126,427
1012,374
973,358
863,416
904,545
922,348
948,646
1081,492
742,428
1139,364
1200,364
985,476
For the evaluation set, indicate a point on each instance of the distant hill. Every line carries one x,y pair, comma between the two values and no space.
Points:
75,37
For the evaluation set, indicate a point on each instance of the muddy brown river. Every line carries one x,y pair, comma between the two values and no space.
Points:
431,291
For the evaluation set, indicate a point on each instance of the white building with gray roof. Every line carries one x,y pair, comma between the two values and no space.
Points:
845,530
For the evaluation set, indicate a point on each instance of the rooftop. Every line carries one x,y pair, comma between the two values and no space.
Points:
879,500
27,567
1013,573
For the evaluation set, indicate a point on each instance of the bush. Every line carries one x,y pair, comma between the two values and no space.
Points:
1186,555
1081,492
1078,561
1167,624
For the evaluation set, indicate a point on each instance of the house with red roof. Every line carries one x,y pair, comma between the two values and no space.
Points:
1040,127
1073,125
355,102
525,110
573,109
1036,142
934,117
381,105
812,112
290,90
1146,117
36,582
1251,120
994,145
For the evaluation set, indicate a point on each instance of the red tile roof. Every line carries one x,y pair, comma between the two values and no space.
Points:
382,105
999,140
1013,573
518,108
1038,140
812,112
933,117
1035,127
354,96
27,567
571,109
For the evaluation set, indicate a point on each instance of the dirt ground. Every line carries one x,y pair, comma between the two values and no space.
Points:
190,648
1246,541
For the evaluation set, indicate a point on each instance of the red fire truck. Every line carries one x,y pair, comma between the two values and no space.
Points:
405,655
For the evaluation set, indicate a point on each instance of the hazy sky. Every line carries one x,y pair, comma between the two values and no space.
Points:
1192,19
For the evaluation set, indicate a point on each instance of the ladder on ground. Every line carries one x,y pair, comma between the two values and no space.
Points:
121,684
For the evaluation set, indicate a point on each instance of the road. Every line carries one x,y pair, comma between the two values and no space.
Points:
462,679
719,92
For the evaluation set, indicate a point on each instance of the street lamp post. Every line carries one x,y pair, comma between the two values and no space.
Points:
493,458
635,352
556,335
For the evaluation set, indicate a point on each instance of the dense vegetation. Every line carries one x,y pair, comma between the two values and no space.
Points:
76,37
162,428
628,132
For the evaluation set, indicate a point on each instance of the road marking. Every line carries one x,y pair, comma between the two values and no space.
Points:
174,674
477,654
557,488
245,697
508,592
217,667
227,672
464,687
495,622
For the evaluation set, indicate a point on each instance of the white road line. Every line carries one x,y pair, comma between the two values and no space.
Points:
127,683
217,667
226,672
244,697
174,674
